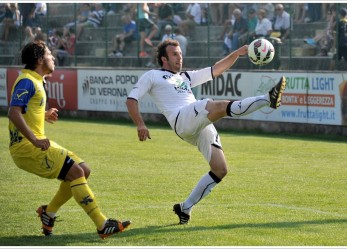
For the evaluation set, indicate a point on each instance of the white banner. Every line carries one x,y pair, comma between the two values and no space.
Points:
308,98
107,90
3,87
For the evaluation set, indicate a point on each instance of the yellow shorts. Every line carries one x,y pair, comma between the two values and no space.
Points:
47,164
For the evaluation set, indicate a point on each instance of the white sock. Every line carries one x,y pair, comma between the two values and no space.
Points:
201,190
248,105
51,214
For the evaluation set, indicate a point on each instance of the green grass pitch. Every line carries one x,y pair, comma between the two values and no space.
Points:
282,190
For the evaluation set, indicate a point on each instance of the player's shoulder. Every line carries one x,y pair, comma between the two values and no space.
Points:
24,83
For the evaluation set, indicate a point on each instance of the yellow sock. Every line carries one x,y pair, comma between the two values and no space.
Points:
61,197
86,199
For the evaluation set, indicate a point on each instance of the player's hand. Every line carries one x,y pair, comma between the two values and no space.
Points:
42,143
242,50
143,133
51,115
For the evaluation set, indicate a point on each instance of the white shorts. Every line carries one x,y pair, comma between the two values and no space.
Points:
193,126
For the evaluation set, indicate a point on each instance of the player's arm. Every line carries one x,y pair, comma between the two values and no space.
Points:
135,115
228,61
16,117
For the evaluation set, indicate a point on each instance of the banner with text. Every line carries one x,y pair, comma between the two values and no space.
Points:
308,98
107,90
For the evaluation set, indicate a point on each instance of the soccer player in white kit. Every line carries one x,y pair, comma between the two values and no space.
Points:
191,119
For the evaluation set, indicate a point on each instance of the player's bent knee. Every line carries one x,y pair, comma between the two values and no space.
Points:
75,172
223,172
86,169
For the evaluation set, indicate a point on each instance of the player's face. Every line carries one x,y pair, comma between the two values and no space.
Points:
48,62
174,61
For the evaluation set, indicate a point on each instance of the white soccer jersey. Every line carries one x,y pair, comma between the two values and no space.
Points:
170,91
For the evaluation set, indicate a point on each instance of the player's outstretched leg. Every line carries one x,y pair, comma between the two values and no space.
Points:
112,227
184,218
276,93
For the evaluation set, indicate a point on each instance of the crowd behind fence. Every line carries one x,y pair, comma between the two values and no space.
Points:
307,36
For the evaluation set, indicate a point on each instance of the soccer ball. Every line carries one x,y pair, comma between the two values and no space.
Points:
261,51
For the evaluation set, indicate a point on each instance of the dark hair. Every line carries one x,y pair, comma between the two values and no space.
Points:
32,52
343,12
161,50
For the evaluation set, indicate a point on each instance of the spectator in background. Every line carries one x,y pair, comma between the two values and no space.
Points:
165,17
129,8
94,20
29,35
281,23
30,18
182,40
176,35
252,21
270,10
233,30
57,47
263,27
84,12
27,11
168,33
300,12
177,7
6,15
70,40
112,8
39,35
11,21
128,35
204,14
64,46
41,9
326,7
144,24
3,7
193,18
341,38
324,40
314,12
251,24
216,10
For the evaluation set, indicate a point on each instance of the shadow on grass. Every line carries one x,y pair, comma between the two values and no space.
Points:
92,238
188,228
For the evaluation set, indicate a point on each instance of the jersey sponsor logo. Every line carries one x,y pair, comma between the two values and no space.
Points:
20,93
167,76
182,87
